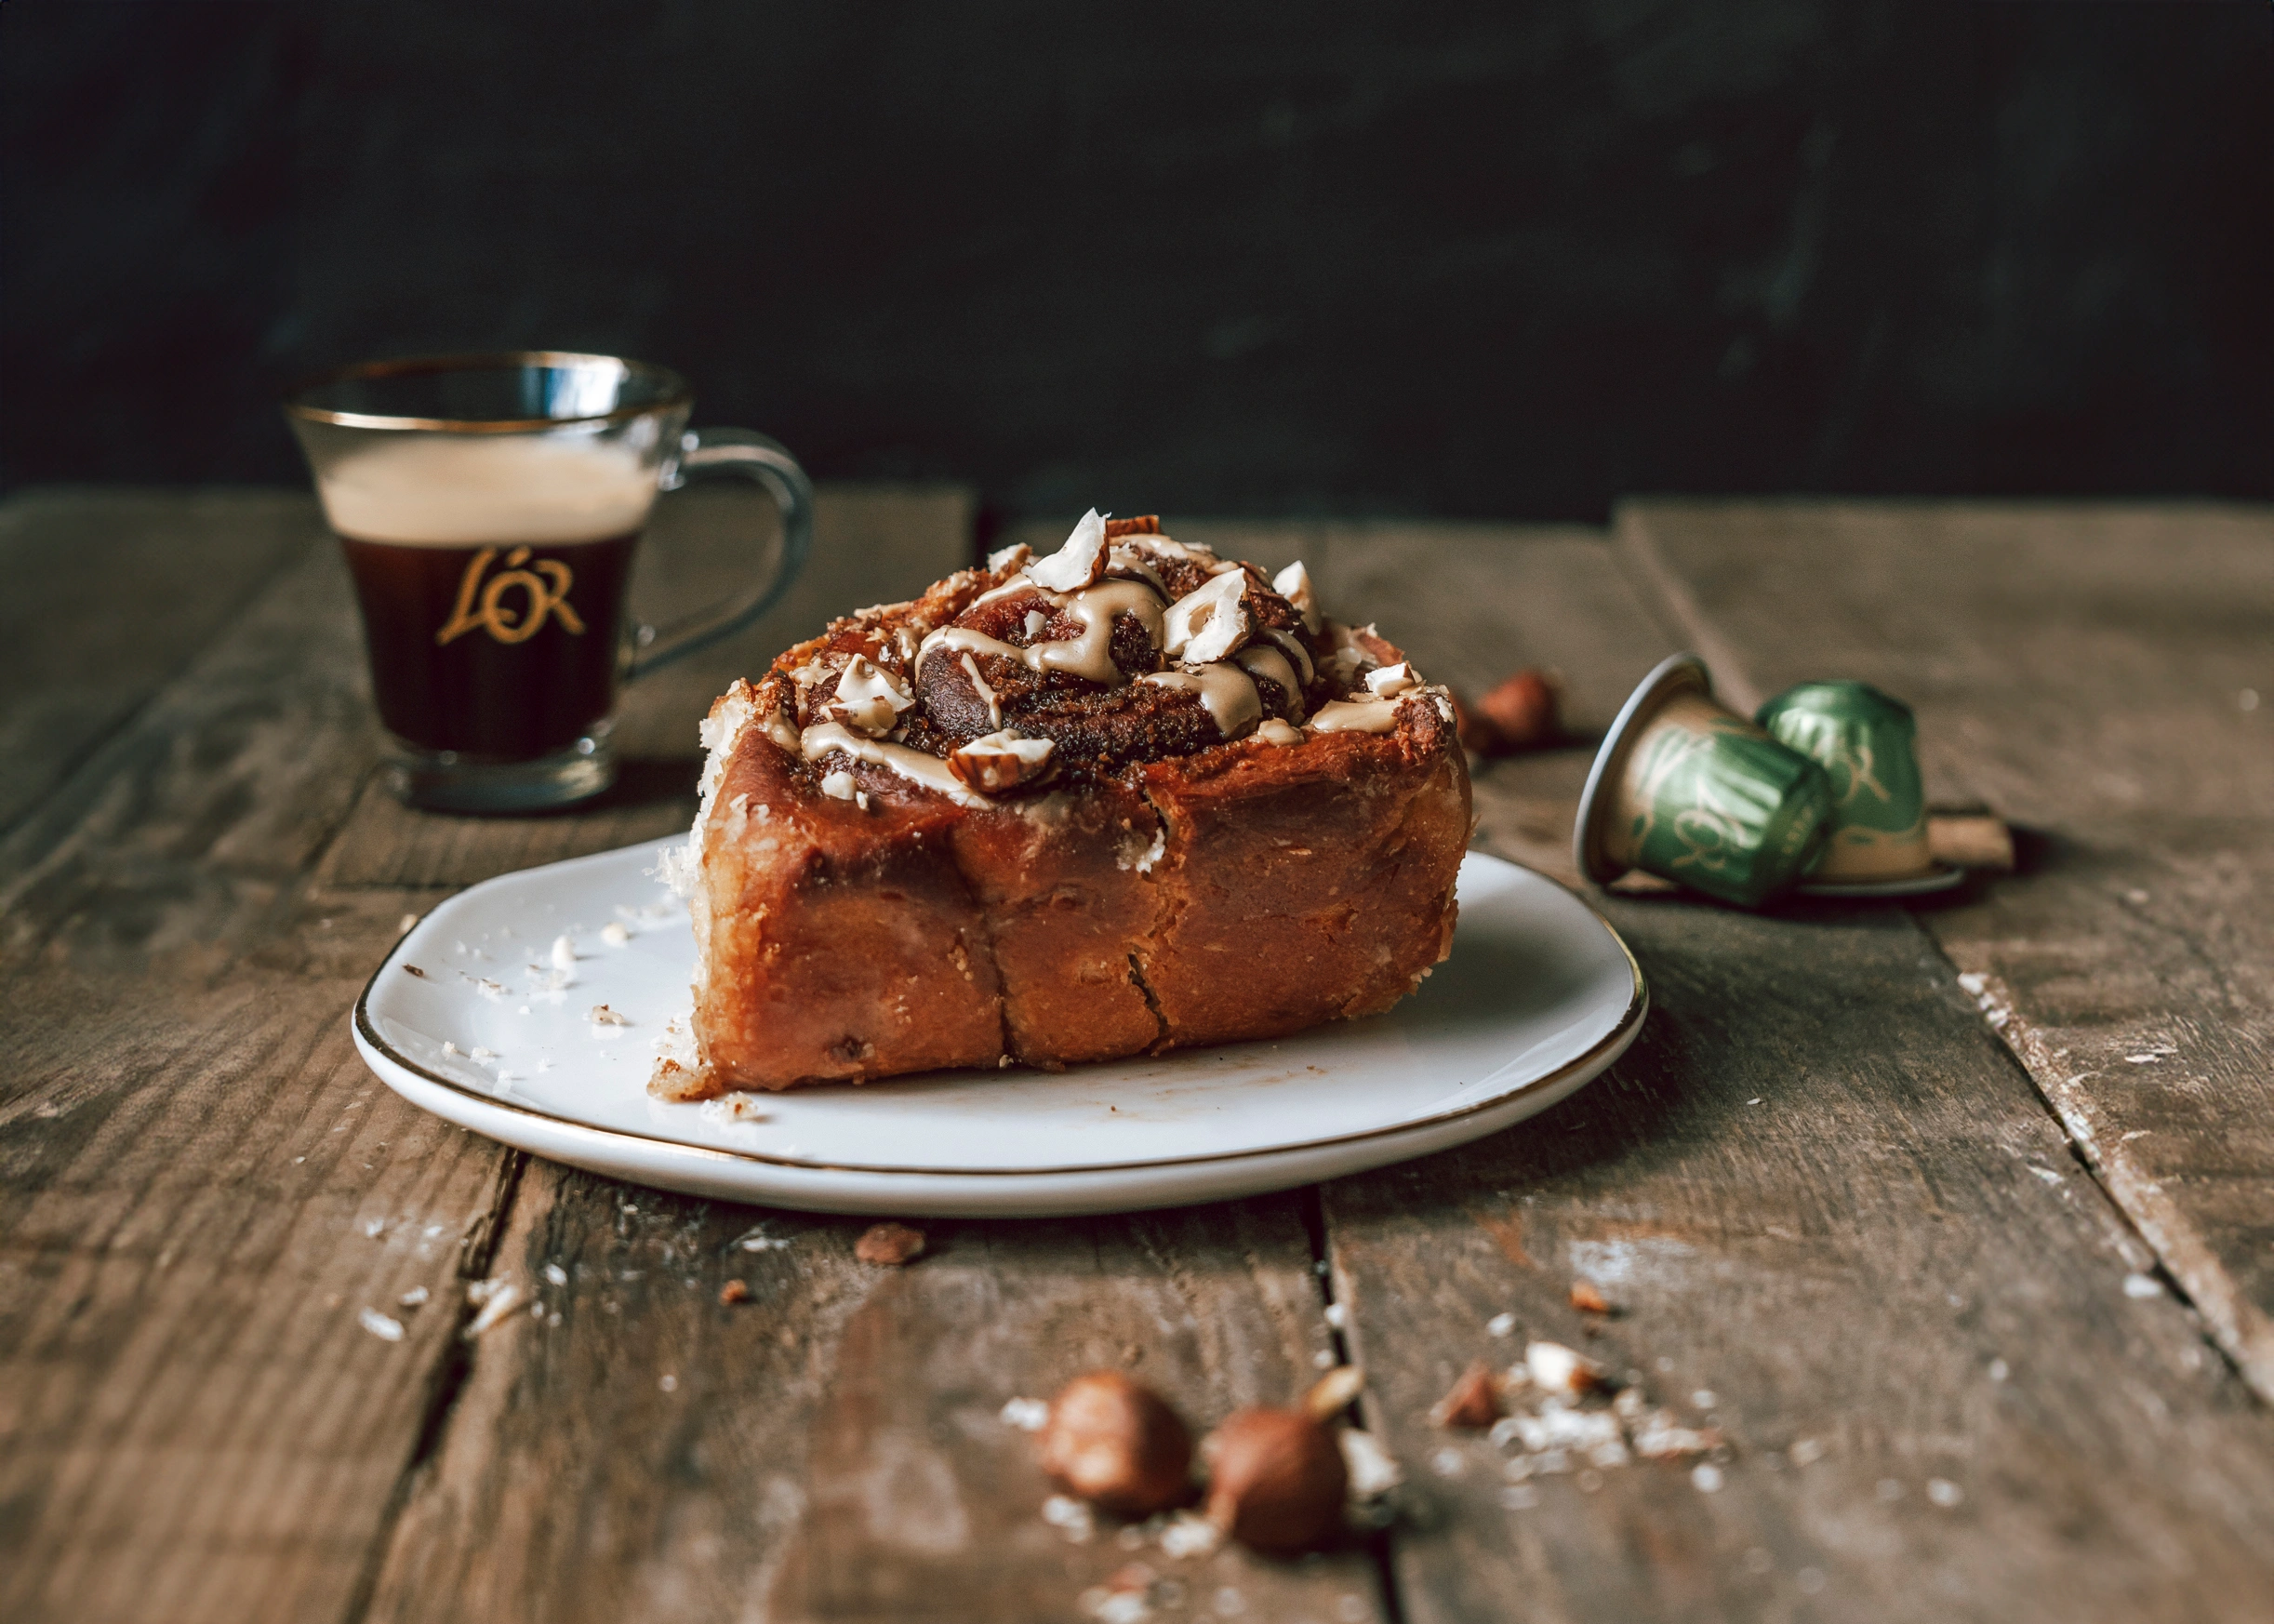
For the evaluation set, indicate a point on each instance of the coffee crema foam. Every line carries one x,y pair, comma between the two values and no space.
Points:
479,490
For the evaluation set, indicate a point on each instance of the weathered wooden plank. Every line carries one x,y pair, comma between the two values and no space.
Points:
2092,672
196,1424
1820,1191
833,1449
111,592
203,1187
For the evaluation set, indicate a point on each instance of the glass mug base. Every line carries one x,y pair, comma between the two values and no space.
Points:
442,780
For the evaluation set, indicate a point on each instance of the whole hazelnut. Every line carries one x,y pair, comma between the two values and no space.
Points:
1114,1443
1475,731
1276,1480
1523,712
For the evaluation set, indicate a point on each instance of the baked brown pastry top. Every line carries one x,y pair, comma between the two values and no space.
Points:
1128,796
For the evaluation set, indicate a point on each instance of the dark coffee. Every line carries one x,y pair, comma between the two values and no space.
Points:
505,651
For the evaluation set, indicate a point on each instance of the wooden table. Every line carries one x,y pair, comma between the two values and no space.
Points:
1957,1218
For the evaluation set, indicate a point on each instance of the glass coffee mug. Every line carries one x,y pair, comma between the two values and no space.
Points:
489,506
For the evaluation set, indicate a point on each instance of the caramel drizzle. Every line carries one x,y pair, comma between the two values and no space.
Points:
1226,692
1089,655
928,771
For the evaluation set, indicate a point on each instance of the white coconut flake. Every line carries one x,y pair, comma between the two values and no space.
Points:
1028,1415
614,933
1501,1324
558,1275
563,954
380,1325
2142,1286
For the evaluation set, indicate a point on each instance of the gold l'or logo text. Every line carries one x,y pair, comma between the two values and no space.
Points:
485,606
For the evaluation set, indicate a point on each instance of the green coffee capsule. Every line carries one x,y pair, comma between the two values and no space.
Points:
1867,743
1686,789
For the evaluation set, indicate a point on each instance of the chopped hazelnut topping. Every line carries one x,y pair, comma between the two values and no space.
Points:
733,1292
1207,625
1390,680
1002,760
868,698
1293,583
1082,562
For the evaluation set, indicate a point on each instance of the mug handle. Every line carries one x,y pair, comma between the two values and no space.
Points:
711,453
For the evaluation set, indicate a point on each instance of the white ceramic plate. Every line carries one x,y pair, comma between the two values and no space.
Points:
1539,995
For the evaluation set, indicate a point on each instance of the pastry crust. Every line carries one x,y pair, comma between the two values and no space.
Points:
860,911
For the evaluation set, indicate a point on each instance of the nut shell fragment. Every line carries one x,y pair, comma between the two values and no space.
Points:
1588,1298
890,1245
1472,1405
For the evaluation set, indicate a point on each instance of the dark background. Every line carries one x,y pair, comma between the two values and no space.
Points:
1458,258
